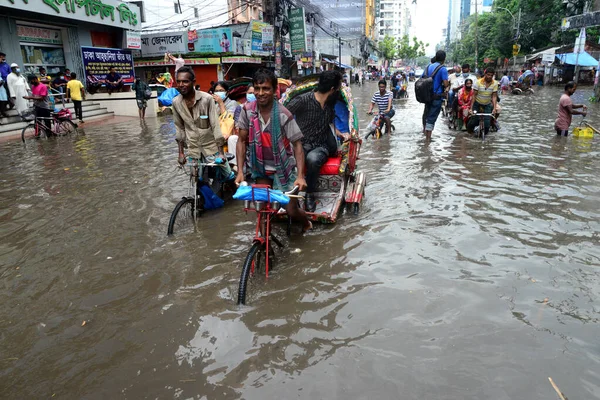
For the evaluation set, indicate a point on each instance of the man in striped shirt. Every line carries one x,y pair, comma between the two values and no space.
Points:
383,100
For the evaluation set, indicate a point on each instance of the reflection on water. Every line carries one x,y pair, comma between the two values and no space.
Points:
472,272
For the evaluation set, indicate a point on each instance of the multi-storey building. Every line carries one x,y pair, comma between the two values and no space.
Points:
394,19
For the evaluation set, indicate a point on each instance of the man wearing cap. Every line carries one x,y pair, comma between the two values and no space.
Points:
18,88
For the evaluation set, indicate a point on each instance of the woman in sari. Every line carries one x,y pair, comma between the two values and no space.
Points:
465,95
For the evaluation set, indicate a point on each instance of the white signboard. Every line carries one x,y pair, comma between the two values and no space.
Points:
168,42
134,40
548,57
105,12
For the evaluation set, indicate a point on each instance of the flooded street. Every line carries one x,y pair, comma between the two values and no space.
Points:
471,272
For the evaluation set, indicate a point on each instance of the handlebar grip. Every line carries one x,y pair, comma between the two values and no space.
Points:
295,190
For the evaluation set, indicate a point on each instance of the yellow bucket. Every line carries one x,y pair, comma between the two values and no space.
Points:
583,132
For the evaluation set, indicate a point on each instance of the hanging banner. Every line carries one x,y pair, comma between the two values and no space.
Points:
297,30
160,43
98,62
214,41
262,38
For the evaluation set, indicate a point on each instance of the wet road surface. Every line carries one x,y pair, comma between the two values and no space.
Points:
472,272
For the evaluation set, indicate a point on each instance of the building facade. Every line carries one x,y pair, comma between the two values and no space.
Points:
394,19
52,33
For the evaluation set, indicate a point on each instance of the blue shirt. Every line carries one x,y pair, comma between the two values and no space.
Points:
4,70
439,78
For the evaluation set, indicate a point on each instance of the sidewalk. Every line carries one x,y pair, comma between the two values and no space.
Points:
6,137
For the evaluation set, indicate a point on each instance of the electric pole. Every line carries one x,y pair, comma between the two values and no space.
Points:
314,53
476,37
340,51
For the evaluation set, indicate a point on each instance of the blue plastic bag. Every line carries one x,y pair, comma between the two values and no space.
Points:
211,200
260,194
166,98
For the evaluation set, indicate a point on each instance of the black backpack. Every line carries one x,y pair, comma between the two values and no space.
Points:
424,86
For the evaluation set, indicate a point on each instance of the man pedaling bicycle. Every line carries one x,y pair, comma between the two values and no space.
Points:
273,140
196,119
383,99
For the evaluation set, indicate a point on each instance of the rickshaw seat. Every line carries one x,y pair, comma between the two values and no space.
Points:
332,166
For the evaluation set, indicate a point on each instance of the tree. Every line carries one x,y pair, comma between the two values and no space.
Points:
407,51
387,47
539,28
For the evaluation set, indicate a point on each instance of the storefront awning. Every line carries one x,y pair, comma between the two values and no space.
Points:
584,60
341,65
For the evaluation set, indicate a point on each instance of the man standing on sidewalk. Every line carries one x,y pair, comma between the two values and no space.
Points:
440,82
76,92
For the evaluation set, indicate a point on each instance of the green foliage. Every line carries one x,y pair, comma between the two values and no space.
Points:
539,28
407,51
387,47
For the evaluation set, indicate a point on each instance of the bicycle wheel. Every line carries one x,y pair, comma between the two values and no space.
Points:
182,217
29,131
65,127
254,264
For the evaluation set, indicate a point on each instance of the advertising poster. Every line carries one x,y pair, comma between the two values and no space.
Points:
262,38
98,61
217,40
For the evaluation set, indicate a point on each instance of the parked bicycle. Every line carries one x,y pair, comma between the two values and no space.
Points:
201,174
58,124
260,256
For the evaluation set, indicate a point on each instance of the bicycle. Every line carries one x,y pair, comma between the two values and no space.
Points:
201,173
259,256
376,126
479,130
60,124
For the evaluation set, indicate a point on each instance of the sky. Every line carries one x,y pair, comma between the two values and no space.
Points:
431,18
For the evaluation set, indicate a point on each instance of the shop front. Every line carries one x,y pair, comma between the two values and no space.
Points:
239,66
206,69
51,33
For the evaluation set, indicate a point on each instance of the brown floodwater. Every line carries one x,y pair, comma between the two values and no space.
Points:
471,272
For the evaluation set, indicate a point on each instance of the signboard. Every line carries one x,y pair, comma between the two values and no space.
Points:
580,42
241,60
188,61
548,57
297,30
134,40
262,38
33,34
105,12
516,49
98,61
214,41
581,21
160,43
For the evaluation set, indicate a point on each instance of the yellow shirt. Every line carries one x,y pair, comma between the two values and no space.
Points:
484,92
74,87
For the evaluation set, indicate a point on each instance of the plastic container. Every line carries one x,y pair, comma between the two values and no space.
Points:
583,132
